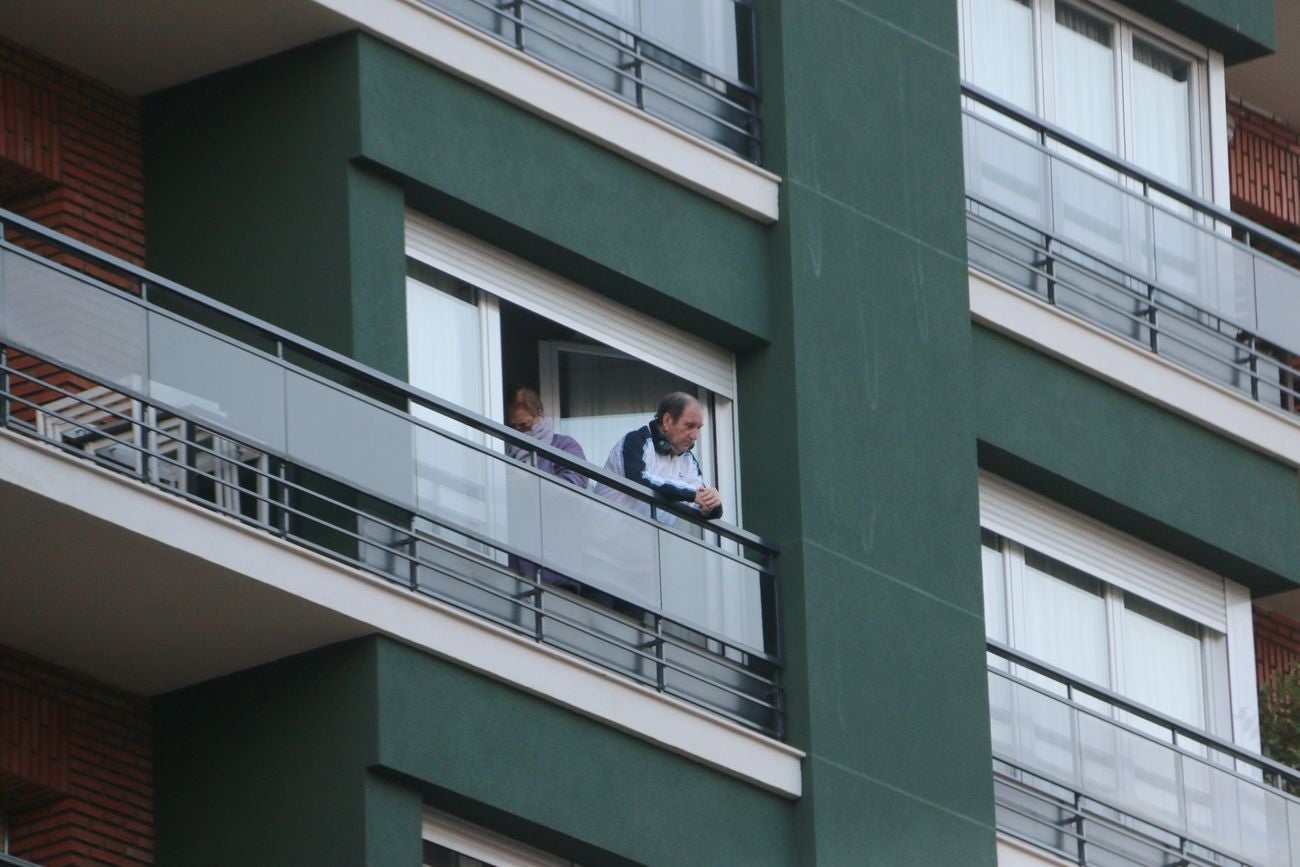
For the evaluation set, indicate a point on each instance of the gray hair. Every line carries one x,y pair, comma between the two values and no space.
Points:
674,404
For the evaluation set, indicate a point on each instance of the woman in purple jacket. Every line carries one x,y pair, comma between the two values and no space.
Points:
524,413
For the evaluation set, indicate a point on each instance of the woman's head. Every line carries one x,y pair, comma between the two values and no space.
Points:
523,408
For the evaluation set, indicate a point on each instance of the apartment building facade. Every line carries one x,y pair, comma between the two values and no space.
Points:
988,305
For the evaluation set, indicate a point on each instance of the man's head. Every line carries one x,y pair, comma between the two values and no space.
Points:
681,418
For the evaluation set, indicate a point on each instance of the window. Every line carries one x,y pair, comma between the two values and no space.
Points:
1116,612
479,320
453,842
1122,87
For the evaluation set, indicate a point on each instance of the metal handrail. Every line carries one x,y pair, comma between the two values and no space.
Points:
509,13
1075,143
287,340
1074,684
1083,818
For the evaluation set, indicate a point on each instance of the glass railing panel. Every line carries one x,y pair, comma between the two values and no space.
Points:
472,581
585,539
1277,294
1203,267
1042,734
481,493
67,317
711,681
357,442
1094,214
581,45
1007,172
704,587
699,108
616,641
688,63
215,380
1191,796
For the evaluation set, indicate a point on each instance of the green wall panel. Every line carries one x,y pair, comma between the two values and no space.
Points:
268,766
1241,29
246,185
545,193
1134,465
880,570
327,758
576,777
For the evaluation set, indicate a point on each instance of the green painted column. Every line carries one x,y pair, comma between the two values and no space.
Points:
859,436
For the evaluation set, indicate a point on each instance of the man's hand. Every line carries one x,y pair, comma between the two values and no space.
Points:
708,499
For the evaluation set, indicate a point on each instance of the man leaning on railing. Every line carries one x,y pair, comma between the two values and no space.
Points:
659,456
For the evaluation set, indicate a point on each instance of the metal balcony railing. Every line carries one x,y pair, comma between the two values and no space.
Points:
145,377
1098,779
649,73
1097,236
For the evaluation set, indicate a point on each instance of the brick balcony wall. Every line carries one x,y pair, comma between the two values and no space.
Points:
1264,168
70,153
76,767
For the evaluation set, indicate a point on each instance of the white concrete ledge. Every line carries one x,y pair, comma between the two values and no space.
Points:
559,97
231,553
1134,369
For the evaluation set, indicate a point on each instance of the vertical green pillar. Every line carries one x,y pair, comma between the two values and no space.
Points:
861,445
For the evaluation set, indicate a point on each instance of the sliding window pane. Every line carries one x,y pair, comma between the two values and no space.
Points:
1001,54
1085,76
1162,126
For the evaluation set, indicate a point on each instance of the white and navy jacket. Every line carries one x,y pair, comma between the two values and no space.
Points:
646,456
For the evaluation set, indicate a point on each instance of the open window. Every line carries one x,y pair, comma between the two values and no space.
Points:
479,320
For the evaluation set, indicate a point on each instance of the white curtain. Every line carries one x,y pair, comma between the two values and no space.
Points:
1162,126
1000,56
1084,53
1162,664
1065,619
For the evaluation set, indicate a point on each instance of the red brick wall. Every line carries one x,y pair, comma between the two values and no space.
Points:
1277,644
1264,169
76,767
70,155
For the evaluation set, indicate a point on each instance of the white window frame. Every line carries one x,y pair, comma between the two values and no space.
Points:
1207,113
466,838
1219,605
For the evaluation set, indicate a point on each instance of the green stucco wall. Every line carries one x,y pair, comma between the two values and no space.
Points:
1241,29
303,176
858,436
326,758
1136,466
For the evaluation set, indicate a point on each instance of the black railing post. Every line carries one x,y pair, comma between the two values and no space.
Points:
4,386
1153,323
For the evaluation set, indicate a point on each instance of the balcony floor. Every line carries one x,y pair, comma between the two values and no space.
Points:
84,588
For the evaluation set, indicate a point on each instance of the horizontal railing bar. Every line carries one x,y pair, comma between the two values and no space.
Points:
288,484
1137,172
766,683
222,432
348,366
1140,710
639,43
1078,814
1137,319
637,34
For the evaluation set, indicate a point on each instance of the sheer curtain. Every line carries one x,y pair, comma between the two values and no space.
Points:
1084,53
1162,126
1000,56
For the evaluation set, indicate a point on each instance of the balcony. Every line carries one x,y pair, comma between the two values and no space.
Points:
709,91
1093,778
137,375
1093,235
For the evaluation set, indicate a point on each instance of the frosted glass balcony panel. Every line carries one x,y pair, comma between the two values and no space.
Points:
67,318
